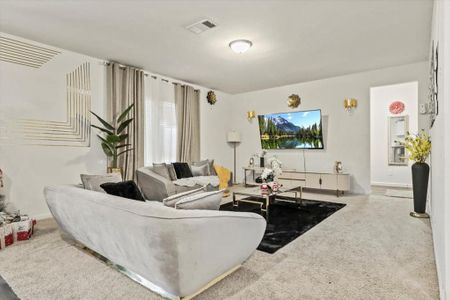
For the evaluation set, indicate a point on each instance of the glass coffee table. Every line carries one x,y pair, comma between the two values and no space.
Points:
289,193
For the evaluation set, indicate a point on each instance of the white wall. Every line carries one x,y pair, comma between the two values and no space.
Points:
214,124
346,134
380,98
440,154
41,94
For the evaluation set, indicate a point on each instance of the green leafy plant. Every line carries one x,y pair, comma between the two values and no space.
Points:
112,136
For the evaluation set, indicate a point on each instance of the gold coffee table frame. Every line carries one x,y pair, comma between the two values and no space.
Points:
264,200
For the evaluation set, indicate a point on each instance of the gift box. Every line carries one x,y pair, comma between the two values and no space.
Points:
2,238
6,236
22,230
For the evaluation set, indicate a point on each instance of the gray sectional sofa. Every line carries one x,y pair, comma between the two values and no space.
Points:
173,252
157,186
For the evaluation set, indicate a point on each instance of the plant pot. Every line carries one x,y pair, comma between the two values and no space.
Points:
114,170
420,174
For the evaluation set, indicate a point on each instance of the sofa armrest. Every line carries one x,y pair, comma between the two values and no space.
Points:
153,185
230,240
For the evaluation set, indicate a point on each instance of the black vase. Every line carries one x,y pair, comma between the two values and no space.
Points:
420,173
261,162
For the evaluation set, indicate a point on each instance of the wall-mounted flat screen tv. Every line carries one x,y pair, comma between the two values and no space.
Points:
291,130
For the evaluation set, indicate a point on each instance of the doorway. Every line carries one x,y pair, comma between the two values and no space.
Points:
393,113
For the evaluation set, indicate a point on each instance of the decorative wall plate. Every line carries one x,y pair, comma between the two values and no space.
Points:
397,107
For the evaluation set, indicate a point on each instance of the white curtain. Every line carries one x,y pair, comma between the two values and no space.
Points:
160,121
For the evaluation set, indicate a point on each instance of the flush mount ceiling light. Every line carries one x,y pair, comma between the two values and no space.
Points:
240,46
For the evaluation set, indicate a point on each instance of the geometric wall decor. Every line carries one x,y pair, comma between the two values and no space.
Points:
21,53
75,130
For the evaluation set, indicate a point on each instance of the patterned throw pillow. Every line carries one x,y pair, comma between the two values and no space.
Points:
170,201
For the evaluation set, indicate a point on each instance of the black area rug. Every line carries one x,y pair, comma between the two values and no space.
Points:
6,293
287,221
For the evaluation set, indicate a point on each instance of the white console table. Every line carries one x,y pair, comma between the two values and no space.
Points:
339,182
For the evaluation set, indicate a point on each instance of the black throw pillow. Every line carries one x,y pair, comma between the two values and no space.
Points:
125,189
183,170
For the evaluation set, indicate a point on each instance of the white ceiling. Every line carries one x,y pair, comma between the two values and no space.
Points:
293,41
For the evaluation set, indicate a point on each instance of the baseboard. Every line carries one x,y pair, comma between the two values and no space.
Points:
42,216
389,184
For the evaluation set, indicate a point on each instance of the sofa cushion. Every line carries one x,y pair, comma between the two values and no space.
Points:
200,170
170,201
182,169
209,163
161,169
172,173
125,189
93,182
198,180
206,200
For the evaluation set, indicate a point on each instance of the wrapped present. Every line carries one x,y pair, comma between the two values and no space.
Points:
2,238
22,230
6,236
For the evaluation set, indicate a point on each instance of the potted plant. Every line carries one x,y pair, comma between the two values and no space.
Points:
419,148
114,139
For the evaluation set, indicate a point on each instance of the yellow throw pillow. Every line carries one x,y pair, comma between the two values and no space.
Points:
224,177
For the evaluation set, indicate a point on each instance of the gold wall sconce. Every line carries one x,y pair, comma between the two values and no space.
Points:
350,104
251,115
211,97
293,101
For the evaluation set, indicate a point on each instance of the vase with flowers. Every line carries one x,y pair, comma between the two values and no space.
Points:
419,148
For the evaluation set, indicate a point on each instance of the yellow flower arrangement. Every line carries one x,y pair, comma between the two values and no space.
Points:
418,146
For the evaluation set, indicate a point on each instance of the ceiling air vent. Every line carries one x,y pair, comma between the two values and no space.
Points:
201,26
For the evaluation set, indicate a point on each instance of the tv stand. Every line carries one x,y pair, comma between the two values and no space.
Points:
339,182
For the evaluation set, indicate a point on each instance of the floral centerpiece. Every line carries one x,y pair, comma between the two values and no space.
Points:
419,148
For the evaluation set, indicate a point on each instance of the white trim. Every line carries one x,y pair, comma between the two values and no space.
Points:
390,184
42,216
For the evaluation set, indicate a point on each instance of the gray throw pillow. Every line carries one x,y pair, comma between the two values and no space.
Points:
200,170
211,167
161,169
170,201
172,173
207,200
209,163
93,182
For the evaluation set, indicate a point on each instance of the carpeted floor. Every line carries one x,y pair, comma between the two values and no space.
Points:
370,249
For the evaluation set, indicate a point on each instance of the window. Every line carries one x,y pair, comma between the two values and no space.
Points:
160,121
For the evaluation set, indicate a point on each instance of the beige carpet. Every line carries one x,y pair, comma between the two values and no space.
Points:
370,249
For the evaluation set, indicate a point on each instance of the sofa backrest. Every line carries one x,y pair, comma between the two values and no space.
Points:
177,250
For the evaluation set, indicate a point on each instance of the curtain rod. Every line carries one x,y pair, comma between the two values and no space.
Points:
107,63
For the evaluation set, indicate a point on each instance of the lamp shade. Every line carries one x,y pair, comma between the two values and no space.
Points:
233,137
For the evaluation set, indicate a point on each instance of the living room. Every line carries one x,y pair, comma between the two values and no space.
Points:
331,209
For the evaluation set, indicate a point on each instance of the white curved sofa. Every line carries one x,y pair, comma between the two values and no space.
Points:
178,251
